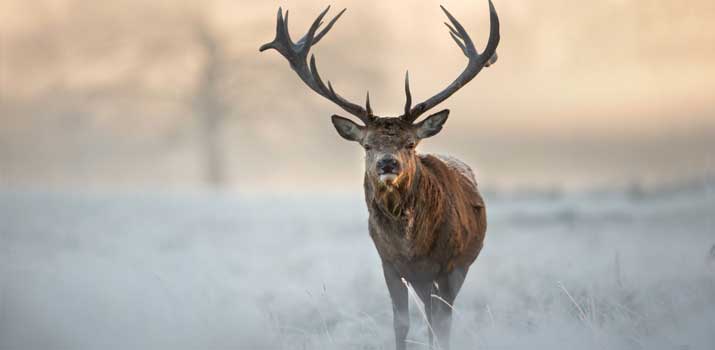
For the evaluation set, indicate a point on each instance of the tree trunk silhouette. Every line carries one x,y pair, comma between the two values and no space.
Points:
210,109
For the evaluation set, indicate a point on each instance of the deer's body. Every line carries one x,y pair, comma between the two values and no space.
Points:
427,218
439,226
428,233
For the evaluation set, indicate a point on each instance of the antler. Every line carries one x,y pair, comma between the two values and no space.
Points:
297,53
476,63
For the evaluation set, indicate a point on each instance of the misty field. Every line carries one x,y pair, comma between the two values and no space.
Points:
597,270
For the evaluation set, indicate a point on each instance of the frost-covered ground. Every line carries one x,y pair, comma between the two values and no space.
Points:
577,271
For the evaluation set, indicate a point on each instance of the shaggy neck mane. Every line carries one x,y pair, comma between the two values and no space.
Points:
435,196
418,203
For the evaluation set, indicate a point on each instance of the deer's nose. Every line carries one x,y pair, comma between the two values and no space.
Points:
388,165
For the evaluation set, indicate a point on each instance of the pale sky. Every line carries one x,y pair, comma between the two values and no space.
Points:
584,93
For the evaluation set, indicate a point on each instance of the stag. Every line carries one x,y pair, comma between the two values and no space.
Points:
427,218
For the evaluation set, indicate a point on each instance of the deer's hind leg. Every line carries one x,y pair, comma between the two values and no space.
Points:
424,292
447,288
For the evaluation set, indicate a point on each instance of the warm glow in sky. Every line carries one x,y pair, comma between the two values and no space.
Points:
584,93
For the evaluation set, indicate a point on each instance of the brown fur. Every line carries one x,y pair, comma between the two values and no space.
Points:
435,216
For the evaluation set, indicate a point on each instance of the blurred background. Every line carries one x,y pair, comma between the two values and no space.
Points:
163,185
175,95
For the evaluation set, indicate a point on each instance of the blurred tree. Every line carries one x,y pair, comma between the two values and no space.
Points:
210,106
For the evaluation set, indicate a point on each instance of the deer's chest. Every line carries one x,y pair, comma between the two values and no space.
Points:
393,241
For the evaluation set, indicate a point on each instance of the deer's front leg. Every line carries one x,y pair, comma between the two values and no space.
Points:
398,294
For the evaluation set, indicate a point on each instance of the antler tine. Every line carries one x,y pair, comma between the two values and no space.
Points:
367,104
408,95
328,27
297,53
459,43
280,23
285,27
307,40
451,29
456,36
489,54
279,32
461,33
474,66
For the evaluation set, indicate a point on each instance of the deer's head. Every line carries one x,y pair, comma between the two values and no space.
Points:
389,142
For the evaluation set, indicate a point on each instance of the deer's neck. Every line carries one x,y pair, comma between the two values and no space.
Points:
418,198
393,202
411,215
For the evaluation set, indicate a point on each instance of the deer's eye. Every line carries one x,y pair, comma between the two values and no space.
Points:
367,147
410,145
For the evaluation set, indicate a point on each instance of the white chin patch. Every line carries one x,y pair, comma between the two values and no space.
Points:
388,178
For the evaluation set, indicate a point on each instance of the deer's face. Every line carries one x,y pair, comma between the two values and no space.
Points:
389,144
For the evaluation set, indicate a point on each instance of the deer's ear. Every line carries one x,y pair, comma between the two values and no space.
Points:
348,129
432,124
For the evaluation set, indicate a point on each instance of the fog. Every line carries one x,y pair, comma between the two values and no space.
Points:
157,271
163,185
